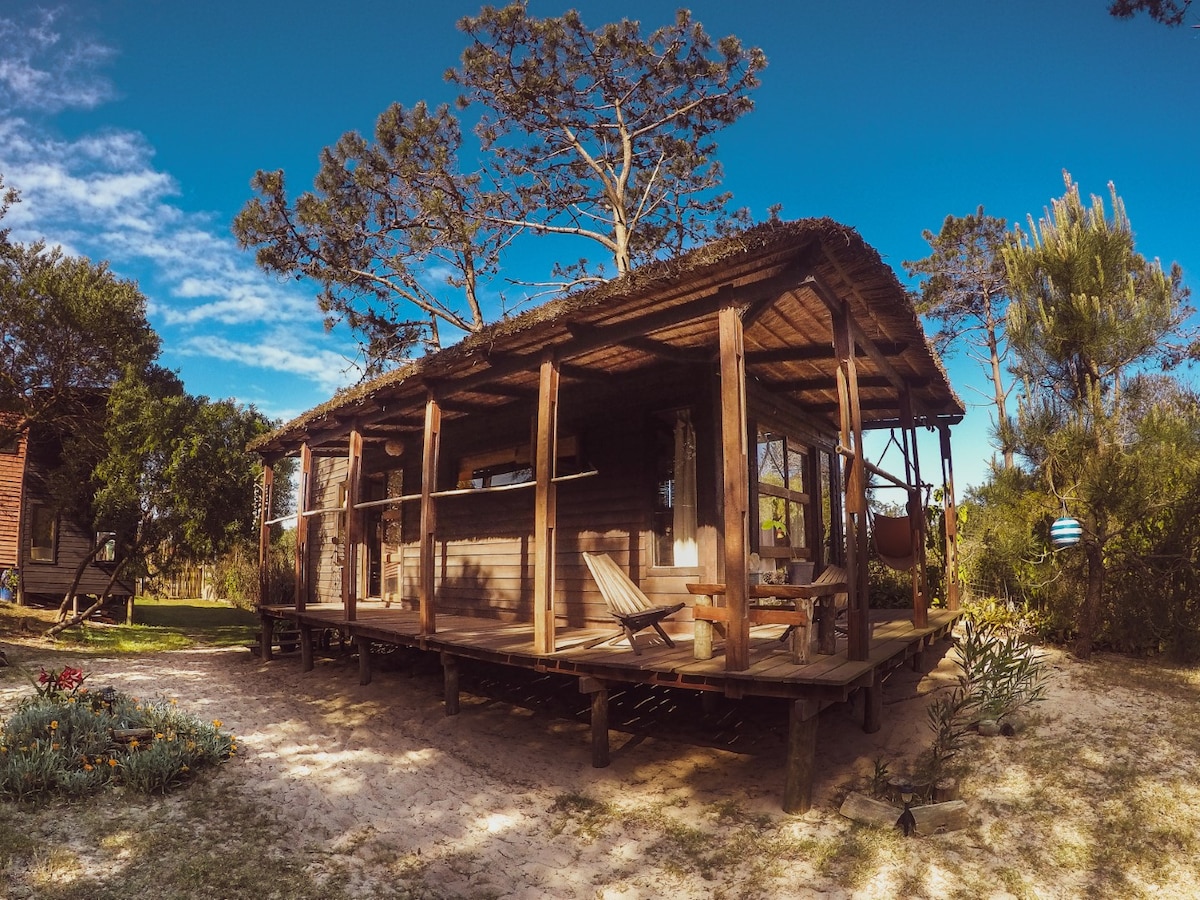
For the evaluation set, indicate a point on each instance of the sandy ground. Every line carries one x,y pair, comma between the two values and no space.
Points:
378,781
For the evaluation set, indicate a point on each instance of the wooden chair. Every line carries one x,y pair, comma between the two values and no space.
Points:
835,607
625,600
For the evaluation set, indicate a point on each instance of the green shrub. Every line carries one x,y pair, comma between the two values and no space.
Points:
65,743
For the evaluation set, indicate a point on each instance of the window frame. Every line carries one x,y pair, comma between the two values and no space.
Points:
43,554
799,500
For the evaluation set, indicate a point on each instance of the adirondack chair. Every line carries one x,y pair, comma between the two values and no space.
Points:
625,600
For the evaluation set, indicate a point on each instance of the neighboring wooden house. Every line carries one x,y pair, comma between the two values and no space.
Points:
681,420
35,539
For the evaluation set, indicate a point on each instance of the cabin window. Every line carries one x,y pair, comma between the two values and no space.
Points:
43,534
675,490
12,445
107,542
514,464
783,496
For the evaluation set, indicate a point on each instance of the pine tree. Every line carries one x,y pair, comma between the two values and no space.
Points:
1089,315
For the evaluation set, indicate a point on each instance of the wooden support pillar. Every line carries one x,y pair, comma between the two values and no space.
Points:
364,659
306,648
353,532
702,629
545,507
873,707
266,494
599,691
450,683
950,512
266,637
858,589
916,513
801,755
736,488
431,447
303,497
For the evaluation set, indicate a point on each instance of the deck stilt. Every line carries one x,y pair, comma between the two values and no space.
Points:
599,691
801,755
873,705
364,659
266,638
306,648
450,682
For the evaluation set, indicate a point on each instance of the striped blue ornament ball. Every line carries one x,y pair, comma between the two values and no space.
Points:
1066,532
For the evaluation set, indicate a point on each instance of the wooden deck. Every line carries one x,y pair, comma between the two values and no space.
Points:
603,653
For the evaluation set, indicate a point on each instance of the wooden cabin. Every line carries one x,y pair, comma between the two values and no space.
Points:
45,546
699,421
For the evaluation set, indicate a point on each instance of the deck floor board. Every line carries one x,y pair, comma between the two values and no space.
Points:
602,652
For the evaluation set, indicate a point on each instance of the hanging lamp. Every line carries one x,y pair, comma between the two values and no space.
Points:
1066,531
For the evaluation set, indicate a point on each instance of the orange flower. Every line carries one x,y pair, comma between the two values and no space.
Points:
112,763
87,767
217,723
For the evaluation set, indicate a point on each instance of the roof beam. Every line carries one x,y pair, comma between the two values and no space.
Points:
860,339
829,382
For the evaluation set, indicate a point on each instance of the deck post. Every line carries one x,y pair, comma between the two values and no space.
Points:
265,637
303,495
873,705
599,691
450,683
950,514
858,612
431,446
265,503
545,510
352,533
364,658
702,643
306,648
736,488
801,755
915,509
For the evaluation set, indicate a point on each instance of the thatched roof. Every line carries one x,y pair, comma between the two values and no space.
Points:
787,274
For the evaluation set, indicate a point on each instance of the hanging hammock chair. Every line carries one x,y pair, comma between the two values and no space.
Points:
894,541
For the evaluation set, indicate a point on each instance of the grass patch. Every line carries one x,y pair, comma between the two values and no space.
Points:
161,625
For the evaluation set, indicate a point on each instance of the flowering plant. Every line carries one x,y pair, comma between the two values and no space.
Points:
65,681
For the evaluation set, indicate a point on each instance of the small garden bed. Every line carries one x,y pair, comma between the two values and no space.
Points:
66,740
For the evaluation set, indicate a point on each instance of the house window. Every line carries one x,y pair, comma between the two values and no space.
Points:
43,534
675,490
107,542
783,496
514,465
12,445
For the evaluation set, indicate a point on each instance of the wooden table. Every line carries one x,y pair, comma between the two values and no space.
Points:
799,617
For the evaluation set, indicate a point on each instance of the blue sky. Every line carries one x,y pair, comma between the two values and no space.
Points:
132,130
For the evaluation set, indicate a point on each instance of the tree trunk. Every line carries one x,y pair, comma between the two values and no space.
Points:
79,617
1089,612
68,599
1001,395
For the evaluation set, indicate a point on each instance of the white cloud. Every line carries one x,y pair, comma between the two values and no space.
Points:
42,69
325,368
